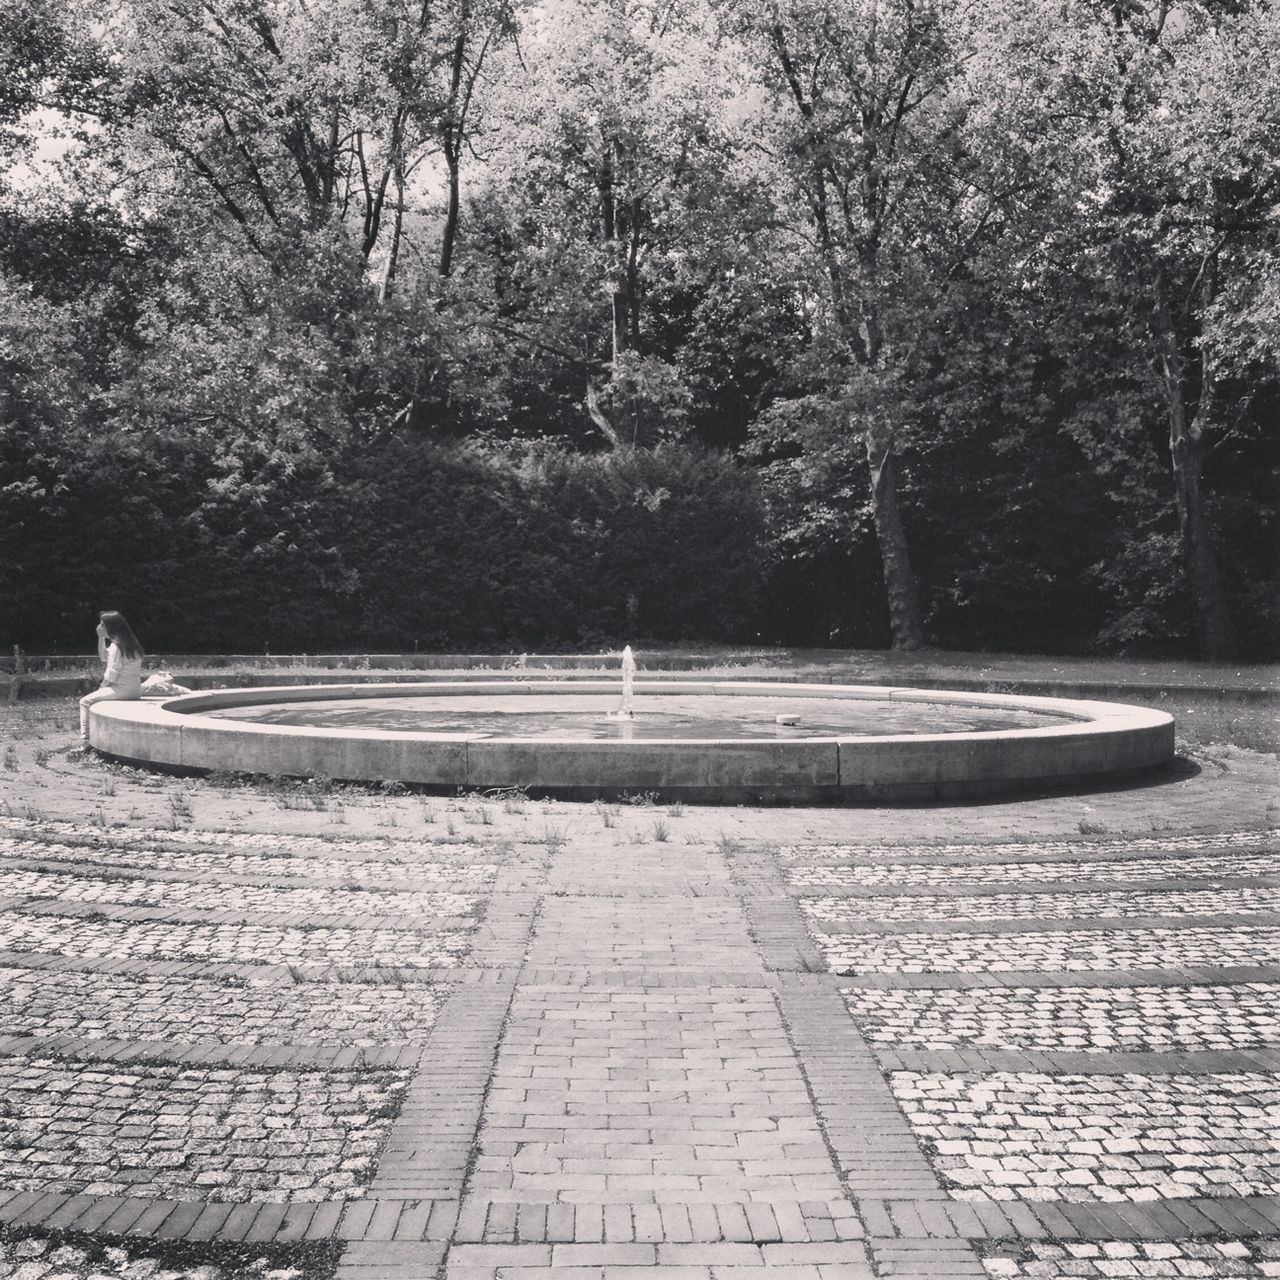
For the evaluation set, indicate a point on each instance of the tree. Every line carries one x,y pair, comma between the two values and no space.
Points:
280,117
1165,181
611,137
857,99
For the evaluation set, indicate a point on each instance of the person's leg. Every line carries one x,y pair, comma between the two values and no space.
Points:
98,695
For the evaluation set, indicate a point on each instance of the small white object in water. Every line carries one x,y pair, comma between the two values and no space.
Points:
787,719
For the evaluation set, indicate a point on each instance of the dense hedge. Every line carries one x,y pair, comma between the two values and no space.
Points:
400,546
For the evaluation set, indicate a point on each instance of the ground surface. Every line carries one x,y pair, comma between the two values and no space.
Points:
270,1031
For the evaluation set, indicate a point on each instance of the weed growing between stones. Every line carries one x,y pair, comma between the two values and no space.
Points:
641,799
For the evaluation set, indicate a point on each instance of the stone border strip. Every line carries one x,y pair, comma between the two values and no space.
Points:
1071,1062
777,925
926,1258
1027,887
274,1222
1192,976
1116,847
872,1143
1067,1220
630,978
845,1259
264,972
759,1222
306,920
427,1152
1046,924
376,851
403,1229
585,978
436,1220
172,875
203,1053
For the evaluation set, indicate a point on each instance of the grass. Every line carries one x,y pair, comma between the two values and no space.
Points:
1206,722
180,805
860,665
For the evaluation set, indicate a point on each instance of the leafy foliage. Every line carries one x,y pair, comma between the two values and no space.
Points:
374,322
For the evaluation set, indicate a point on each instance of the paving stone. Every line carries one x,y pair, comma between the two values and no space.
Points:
1116,904
1049,950
187,1010
1086,1019
1010,1137
998,869
76,885
222,1135
1103,1258
146,940
948,851
654,1076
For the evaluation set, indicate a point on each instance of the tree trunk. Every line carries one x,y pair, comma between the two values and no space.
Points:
450,235
453,135
906,620
1214,626
616,249
397,230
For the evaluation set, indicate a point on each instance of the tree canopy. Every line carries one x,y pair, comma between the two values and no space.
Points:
916,321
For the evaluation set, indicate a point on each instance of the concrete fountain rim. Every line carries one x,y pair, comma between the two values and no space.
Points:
1095,741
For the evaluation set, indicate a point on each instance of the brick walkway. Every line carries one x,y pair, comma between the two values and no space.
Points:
576,1055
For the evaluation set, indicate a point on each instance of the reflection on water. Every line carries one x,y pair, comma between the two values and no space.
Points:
585,717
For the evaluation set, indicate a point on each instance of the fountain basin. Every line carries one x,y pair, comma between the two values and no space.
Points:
1041,742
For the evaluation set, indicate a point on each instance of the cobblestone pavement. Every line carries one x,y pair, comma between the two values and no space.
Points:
1036,951
188,1010
183,1132
213,896
1187,1019
943,874
104,938
1130,846
1027,1135
279,859
554,1049
1045,906
1016,1259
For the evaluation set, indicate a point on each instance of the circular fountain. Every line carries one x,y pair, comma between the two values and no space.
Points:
728,741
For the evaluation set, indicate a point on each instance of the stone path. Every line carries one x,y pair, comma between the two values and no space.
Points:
577,1056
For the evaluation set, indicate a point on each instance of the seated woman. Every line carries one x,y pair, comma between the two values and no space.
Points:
118,647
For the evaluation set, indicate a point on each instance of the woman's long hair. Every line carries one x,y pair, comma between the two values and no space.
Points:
121,633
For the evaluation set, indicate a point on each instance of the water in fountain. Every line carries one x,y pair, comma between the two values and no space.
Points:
625,711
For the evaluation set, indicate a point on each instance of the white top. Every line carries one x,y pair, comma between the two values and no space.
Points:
124,675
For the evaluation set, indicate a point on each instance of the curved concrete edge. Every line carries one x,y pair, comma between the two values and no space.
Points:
1095,741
